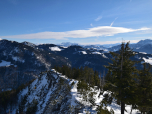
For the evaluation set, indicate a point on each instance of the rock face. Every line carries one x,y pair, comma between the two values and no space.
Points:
51,91
59,101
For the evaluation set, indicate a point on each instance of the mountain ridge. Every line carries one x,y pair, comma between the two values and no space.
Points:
24,62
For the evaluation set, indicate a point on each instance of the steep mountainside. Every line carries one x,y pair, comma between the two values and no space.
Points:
20,63
92,58
53,93
80,56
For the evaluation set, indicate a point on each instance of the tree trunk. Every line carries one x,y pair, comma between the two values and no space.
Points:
100,80
122,107
131,110
122,103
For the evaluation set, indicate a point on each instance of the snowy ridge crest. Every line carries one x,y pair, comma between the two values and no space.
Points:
51,91
54,93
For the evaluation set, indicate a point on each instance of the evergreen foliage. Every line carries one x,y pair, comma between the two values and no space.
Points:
121,78
32,107
10,98
86,74
103,110
87,79
145,89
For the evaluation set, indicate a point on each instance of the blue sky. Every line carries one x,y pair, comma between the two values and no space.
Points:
76,21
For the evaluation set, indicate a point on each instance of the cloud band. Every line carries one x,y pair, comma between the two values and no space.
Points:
91,32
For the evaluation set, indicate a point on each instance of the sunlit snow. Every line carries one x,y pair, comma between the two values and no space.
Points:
6,63
96,53
100,54
55,49
143,52
18,59
148,60
84,52
38,87
63,47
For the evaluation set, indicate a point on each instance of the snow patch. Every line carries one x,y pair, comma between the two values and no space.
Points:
74,93
32,53
106,50
100,54
55,49
83,52
104,56
6,63
96,53
63,47
147,60
87,63
16,50
18,59
143,52
137,47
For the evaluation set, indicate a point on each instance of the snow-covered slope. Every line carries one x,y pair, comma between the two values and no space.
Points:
54,93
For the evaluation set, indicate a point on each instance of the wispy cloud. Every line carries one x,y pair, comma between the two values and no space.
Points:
145,32
91,24
91,32
113,22
98,18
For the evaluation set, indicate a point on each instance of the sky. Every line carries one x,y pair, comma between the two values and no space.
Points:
76,21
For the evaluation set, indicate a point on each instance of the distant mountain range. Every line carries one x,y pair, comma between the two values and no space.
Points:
22,62
66,44
141,46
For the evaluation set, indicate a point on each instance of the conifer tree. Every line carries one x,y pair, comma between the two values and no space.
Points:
91,77
96,79
121,78
145,89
